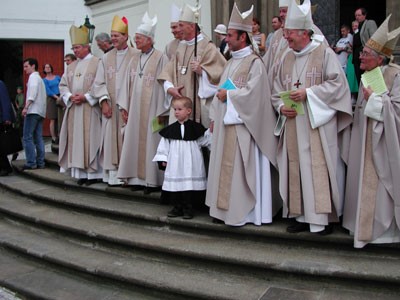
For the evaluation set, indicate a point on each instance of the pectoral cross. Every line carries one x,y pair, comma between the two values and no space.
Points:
78,75
287,81
149,78
110,72
240,82
132,74
297,84
314,75
89,77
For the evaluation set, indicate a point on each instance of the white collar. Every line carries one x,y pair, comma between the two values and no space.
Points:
89,56
307,49
246,51
192,41
123,50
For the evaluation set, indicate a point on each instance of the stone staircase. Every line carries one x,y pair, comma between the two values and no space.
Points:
59,240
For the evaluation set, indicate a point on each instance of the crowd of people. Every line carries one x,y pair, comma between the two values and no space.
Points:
257,135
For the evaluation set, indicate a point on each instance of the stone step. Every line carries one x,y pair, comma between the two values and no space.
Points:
271,254
33,279
145,208
113,201
195,279
120,221
129,268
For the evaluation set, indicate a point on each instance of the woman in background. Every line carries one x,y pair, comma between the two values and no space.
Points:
51,83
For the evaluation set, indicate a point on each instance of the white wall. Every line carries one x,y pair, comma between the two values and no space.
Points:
134,10
51,19
41,19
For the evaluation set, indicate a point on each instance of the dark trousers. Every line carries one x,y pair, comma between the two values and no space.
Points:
4,163
188,200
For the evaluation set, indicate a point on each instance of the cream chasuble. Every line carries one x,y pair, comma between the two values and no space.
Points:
309,154
372,202
109,77
80,133
239,184
177,73
143,99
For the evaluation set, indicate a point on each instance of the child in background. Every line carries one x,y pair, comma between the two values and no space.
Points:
179,154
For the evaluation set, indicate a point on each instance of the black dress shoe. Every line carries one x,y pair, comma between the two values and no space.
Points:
217,221
150,189
298,227
175,212
92,181
137,188
4,172
25,167
187,214
328,230
81,181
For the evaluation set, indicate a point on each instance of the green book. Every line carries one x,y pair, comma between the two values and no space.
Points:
155,126
298,106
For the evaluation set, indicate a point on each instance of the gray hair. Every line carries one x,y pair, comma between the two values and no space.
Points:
103,37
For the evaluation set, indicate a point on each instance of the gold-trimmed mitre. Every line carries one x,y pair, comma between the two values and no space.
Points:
79,35
119,24
383,41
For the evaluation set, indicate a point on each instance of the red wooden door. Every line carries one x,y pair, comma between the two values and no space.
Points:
46,53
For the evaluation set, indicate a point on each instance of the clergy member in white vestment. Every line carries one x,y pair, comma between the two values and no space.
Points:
81,129
206,66
372,202
279,45
172,46
142,106
107,86
313,128
239,182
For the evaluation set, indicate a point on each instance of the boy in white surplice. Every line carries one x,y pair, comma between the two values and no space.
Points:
179,154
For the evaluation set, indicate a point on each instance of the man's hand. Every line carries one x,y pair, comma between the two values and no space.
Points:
367,91
211,126
195,67
299,95
162,119
78,99
175,92
124,114
222,95
106,109
288,112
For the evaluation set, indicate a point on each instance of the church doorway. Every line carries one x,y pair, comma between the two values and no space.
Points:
13,52
375,12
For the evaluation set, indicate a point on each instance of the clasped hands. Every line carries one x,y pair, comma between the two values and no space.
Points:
77,99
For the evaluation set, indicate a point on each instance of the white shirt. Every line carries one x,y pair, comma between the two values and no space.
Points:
36,92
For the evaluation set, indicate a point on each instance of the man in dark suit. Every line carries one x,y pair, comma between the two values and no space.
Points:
366,29
6,118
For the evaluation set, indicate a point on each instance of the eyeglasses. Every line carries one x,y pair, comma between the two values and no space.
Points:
366,54
287,32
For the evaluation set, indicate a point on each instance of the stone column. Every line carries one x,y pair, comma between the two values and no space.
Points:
393,7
